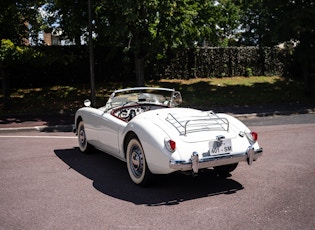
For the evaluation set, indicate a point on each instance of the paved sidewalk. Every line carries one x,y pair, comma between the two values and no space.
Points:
37,122
64,122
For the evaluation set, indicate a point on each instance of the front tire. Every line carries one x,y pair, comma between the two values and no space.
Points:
84,146
136,163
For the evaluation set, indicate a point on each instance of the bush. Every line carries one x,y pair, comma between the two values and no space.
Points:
248,72
220,62
70,64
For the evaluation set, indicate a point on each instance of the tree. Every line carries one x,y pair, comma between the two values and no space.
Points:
228,15
19,21
296,20
11,53
254,22
72,18
152,27
271,22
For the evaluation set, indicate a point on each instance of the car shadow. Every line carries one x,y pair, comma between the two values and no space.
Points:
110,176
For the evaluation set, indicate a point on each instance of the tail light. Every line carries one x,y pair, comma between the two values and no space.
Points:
170,144
254,136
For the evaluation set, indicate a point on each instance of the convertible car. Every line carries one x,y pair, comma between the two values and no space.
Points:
144,127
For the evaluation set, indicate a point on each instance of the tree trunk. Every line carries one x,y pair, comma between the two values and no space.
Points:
77,40
307,78
139,66
5,88
306,57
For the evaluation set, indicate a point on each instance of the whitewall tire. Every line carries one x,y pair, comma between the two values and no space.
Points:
136,163
84,146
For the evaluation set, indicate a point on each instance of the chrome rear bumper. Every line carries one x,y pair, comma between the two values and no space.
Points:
195,163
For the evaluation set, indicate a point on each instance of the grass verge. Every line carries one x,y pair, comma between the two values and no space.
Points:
199,93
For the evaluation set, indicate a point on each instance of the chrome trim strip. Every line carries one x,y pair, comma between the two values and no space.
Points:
215,161
143,88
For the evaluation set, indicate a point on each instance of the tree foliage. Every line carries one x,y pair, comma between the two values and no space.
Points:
21,20
11,53
72,18
270,22
150,29
153,27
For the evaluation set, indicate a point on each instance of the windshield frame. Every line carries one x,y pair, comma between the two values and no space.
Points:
126,94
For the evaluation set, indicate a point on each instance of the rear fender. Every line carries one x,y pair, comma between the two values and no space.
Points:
151,138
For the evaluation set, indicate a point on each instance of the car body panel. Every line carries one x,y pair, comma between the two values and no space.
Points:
108,129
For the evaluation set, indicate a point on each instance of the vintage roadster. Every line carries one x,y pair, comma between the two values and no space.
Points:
144,127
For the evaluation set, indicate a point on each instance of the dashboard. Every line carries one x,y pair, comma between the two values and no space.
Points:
129,112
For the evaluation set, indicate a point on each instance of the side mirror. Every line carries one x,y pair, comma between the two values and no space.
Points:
87,103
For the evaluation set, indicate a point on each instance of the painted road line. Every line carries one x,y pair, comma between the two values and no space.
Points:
47,137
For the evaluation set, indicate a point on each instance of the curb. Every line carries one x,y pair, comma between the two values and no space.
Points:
270,114
55,128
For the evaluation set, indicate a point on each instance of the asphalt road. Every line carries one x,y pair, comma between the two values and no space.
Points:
46,183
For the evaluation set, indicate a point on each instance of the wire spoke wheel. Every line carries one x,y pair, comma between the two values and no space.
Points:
136,163
83,143
136,160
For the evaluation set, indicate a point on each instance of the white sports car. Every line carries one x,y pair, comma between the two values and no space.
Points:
143,127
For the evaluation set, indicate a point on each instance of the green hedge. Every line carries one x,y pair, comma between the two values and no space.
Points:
70,64
221,62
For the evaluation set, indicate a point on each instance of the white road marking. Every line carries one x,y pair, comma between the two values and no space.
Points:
47,137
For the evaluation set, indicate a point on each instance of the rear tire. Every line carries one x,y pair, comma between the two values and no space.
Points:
224,170
136,163
84,146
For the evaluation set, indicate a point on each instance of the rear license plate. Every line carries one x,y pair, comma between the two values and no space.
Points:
220,147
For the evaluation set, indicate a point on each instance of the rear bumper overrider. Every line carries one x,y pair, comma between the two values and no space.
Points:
195,163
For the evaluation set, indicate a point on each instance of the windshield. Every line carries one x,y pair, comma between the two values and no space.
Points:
144,95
